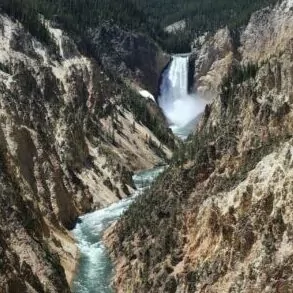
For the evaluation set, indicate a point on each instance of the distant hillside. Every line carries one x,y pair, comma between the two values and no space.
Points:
145,16
76,15
200,15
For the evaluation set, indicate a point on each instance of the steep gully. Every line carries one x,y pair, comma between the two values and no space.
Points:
182,110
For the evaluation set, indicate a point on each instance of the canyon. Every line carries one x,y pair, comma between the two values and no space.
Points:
219,219
71,137
81,117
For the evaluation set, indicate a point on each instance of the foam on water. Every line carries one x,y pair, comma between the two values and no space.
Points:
178,105
95,268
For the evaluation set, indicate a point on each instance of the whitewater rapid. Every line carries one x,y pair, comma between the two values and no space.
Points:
181,108
95,269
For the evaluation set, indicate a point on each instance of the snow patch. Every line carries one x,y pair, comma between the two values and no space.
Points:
147,95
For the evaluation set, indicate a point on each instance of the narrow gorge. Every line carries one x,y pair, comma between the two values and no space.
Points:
71,137
95,270
128,166
219,219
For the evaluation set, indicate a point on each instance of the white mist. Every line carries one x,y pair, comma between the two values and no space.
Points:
180,107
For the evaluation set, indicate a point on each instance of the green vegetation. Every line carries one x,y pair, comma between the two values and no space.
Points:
237,75
138,15
5,68
27,13
140,108
240,74
155,217
76,15
200,16
207,145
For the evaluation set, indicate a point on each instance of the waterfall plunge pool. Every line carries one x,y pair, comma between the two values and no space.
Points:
95,269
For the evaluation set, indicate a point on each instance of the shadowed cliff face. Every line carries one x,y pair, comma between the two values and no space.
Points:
219,220
133,56
69,144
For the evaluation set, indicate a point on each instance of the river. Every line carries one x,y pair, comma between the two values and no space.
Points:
182,110
95,269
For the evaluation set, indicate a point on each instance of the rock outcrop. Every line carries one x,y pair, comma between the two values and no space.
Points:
211,58
69,143
132,55
220,219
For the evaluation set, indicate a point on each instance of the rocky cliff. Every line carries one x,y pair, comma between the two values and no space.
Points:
70,138
220,218
133,56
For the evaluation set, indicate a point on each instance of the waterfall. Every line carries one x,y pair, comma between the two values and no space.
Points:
180,107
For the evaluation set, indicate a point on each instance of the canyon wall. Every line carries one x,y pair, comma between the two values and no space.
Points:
70,140
220,218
